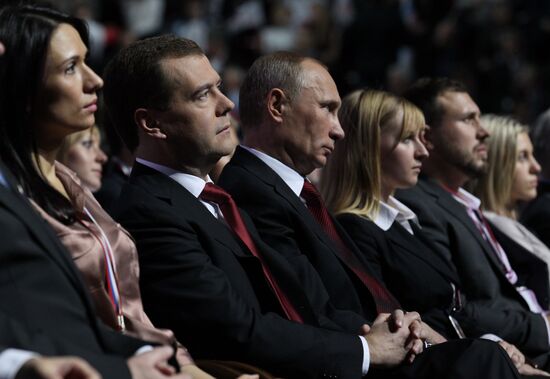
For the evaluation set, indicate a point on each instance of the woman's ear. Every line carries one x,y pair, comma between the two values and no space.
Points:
276,102
147,122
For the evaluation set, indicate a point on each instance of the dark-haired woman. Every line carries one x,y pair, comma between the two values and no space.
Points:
48,92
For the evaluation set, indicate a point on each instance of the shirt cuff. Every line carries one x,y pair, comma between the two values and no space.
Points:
11,361
491,337
366,355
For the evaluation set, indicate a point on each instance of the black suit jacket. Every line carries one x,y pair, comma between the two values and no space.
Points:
285,223
456,237
419,278
199,280
536,215
111,184
41,288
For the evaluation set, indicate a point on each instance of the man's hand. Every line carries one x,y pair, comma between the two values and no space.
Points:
57,368
518,359
394,338
154,365
515,355
431,335
528,370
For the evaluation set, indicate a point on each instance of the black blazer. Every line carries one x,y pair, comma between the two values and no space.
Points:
286,224
412,271
456,237
536,215
41,288
199,280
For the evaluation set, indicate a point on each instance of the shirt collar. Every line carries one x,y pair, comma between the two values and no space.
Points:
466,198
191,183
392,211
292,179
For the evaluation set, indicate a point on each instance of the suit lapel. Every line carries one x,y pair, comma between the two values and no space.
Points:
169,190
264,173
414,246
45,237
173,193
457,211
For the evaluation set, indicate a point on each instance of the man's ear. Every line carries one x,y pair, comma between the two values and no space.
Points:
147,122
276,102
427,138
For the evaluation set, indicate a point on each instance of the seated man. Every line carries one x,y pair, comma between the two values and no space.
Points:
42,289
450,216
205,272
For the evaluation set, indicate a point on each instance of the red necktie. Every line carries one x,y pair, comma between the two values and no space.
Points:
385,302
233,218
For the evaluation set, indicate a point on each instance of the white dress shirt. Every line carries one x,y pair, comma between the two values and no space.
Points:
472,205
296,182
392,211
191,183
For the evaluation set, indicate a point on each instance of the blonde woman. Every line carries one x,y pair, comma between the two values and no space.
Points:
511,179
82,153
383,151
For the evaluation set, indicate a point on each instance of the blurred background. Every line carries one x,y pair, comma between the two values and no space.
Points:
499,48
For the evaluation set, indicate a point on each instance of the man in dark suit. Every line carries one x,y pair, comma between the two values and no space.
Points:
205,272
42,289
450,216
24,364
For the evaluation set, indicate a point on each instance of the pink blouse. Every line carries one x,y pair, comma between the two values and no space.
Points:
80,240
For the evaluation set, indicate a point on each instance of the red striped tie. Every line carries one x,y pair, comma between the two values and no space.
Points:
385,302
233,218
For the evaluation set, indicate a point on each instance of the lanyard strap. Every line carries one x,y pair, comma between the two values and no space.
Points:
110,270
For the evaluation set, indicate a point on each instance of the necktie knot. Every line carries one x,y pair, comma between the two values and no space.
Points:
215,194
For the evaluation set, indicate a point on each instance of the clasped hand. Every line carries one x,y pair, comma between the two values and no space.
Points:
397,337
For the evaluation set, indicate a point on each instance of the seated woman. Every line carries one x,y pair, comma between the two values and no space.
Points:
511,179
52,93
81,152
383,151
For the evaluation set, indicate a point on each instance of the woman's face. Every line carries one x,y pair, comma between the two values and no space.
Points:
67,101
401,158
86,158
524,185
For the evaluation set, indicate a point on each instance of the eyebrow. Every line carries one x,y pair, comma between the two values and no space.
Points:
76,57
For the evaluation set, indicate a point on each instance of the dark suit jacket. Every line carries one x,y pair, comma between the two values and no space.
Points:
199,280
412,271
41,288
536,215
456,237
111,185
285,223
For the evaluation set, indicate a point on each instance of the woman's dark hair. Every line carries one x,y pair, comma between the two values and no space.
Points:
26,30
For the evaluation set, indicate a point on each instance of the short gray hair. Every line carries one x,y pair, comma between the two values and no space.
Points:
278,70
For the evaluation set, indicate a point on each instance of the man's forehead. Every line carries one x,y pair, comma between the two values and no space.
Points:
454,101
191,70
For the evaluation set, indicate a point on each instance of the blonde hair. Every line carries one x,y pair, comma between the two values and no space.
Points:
495,187
351,181
72,139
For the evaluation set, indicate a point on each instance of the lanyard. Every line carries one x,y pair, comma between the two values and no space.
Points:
110,270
